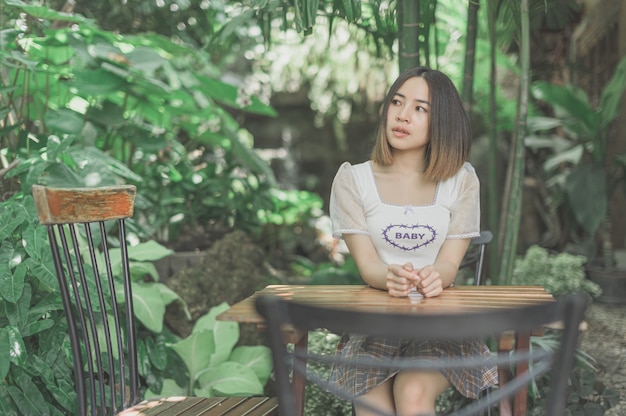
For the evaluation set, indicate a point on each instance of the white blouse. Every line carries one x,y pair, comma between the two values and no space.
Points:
405,233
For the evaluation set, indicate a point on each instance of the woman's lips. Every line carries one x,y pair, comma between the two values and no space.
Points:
400,132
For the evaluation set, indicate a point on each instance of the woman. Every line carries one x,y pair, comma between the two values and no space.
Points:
407,217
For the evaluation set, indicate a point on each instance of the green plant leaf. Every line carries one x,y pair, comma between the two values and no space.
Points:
5,355
17,349
143,360
11,281
149,305
229,379
196,351
44,12
96,82
586,190
169,389
157,351
226,333
35,241
7,407
28,398
612,94
64,393
258,358
148,251
17,312
13,216
43,270
64,121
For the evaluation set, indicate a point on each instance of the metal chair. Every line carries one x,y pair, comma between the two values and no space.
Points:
84,227
475,255
280,313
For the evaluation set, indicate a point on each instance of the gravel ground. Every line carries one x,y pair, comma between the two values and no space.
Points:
605,340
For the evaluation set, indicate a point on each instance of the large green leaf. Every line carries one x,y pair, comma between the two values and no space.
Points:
95,82
7,407
28,397
226,333
196,351
170,389
64,121
17,349
587,192
13,214
11,277
612,94
570,104
5,355
256,357
157,351
44,12
232,96
148,251
229,379
149,305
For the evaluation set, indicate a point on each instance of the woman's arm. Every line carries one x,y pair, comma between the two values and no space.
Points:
436,277
396,279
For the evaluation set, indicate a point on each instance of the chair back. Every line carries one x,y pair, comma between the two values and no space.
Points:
87,236
281,314
475,256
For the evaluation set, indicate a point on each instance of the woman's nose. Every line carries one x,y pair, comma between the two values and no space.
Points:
401,116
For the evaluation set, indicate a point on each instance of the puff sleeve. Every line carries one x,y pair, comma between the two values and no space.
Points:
465,209
346,207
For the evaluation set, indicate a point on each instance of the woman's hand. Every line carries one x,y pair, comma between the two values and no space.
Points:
429,281
401,279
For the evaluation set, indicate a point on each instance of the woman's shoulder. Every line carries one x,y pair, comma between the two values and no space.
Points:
353,169
465,173
466,177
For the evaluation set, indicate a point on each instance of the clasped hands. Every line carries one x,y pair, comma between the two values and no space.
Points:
402,278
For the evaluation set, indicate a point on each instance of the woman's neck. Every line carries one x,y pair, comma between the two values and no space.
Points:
405,164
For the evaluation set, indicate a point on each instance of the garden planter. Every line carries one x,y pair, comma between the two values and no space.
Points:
612,282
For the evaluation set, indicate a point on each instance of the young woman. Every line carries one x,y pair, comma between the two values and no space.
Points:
407,217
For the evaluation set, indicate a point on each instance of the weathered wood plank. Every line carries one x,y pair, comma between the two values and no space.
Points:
70,205
202,406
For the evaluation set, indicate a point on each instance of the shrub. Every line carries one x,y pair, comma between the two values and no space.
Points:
560,273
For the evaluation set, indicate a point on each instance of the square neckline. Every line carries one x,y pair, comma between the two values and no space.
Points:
380,200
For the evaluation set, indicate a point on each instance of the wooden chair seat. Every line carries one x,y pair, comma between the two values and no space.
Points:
214,406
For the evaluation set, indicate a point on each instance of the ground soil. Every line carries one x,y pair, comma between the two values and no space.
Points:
605,340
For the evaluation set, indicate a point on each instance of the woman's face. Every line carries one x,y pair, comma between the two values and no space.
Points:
408,116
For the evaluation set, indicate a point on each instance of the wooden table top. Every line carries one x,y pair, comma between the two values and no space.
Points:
362,297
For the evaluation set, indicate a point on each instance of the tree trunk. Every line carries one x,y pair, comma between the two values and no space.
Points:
408,33
492,156
515,176
470,53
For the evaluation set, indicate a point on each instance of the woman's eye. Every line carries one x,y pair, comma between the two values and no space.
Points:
395,102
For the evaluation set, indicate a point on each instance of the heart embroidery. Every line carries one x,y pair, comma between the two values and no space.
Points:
409,237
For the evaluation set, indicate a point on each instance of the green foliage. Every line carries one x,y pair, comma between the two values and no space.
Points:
318,401
330,274
142,108
583,171
560,273
80,106
213,366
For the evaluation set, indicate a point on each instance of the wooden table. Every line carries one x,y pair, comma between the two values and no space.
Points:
359,297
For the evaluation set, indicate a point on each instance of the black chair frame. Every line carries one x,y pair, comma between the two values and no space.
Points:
280,313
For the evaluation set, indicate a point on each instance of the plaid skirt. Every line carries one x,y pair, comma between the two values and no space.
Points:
358,380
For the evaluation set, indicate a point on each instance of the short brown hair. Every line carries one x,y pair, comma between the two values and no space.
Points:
449,128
